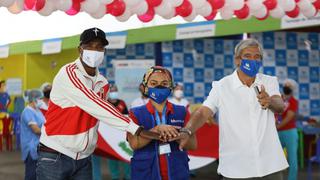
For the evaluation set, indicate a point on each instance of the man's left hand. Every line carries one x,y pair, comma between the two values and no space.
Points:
264,98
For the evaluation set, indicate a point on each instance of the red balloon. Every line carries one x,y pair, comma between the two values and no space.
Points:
116,8
185,9
75,8
294,13
154,3
39,5
29,4
316,4
297,1
265,17
217,4
212,15
243,12
148,16
270,4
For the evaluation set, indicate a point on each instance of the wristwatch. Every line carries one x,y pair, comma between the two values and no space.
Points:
186,130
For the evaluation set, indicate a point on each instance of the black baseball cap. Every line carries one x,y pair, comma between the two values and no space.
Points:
91,34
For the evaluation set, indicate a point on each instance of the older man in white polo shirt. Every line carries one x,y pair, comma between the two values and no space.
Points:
246,100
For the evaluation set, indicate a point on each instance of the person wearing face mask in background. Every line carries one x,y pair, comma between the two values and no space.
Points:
32,120
159,159
114,165
46,89
77,105
286,126
178,96
249,147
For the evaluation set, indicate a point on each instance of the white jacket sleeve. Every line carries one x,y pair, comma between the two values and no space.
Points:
68,86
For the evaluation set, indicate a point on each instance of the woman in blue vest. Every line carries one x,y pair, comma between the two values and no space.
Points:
159,160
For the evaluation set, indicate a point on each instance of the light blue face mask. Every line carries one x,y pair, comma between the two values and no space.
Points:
250,67
113,95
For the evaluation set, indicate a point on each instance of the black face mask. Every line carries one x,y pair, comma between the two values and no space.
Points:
46,94
287,90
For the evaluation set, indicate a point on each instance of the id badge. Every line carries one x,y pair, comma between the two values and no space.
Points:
164,149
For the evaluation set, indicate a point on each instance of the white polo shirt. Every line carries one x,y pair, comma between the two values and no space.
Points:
248,141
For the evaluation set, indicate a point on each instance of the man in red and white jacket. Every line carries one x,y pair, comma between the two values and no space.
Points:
76,106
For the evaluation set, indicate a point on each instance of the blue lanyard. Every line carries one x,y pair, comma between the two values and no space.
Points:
163,117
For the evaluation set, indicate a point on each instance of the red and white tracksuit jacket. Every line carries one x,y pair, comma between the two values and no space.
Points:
75,108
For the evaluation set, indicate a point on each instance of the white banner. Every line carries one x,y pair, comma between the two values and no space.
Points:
128,76
4,51
51,46
117,40
300,21
195,30
14,86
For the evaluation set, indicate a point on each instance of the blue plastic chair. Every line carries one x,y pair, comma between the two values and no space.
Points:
314,159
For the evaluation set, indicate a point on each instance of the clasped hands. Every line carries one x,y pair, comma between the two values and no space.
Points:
163,133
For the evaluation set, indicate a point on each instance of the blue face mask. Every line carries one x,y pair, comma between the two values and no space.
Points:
159,93
250,67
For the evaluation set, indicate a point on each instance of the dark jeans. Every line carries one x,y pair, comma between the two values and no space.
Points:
52,166
273,176
30,168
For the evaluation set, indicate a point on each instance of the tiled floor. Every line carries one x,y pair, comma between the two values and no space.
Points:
12,168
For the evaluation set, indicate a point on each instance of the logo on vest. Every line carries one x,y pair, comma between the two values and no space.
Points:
176,121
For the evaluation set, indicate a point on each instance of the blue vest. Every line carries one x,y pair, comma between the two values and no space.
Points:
145,161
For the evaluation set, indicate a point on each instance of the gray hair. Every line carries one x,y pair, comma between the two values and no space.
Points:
247,43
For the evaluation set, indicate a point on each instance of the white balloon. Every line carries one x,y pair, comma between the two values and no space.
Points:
125,16
290,5
237,4
48,8
6,3
205,10
197,3
309,12
16,7
101,11
254,4
176,3
63,5
132,2
226,13
90,6
106,1
141,8
304,5
261,13
191,17
162,9
277,12
171,14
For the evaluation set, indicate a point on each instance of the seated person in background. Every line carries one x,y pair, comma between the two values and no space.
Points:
159,159
178,96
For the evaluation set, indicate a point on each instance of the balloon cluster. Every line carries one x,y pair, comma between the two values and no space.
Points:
188,9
